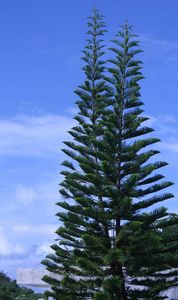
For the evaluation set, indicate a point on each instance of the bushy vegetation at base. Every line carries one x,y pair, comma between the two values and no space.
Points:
10,290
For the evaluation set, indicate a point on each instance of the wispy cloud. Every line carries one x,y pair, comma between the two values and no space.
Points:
5,246
25,195
166,128
33,136
161,50
173,147
35,229
72,110
167,45
164,124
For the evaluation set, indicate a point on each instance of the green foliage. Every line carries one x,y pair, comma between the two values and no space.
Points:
10,290
101,296
114,232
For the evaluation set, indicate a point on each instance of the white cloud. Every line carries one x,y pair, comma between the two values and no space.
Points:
29,258
33,136
36,229
151,121
38,195
5,246
167,45
170,119
21,228
173,147
164,50
26,195
167,130
44,248
163,124
8,246
72,110
9,235
18,249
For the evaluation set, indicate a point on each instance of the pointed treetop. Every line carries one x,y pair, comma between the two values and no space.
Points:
97,14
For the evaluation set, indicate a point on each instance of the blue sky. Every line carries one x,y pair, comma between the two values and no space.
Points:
40,67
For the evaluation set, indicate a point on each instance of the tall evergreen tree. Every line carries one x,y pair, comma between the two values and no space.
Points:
115,242
78,223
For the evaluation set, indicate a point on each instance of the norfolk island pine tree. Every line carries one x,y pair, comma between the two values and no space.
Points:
111,237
